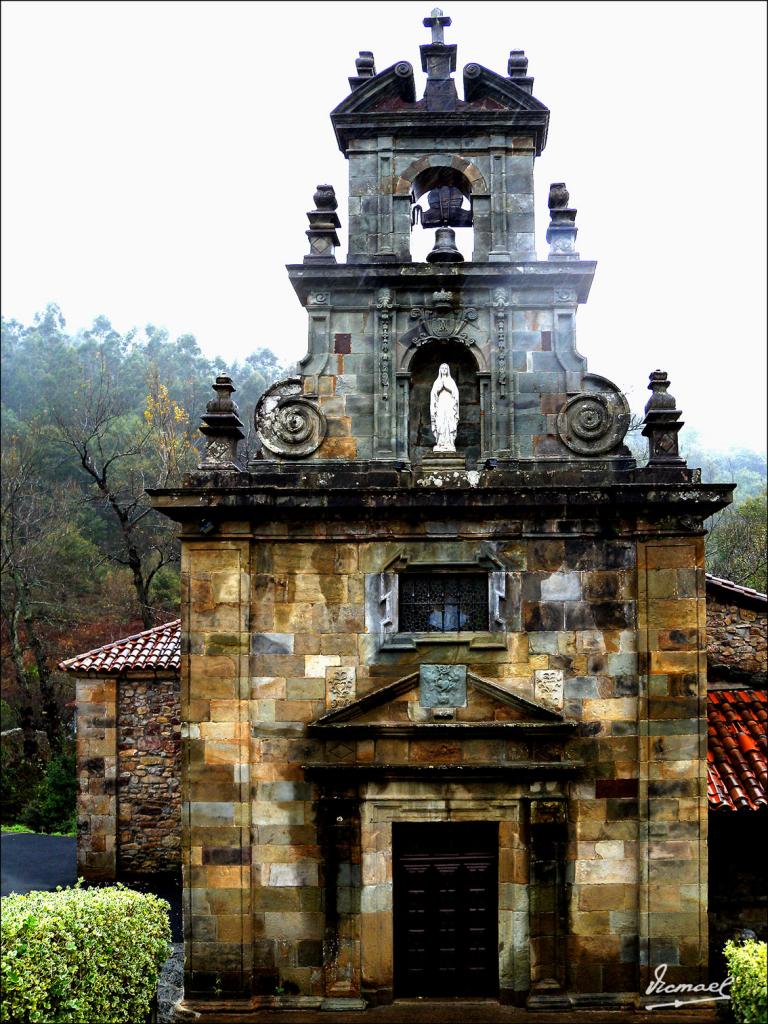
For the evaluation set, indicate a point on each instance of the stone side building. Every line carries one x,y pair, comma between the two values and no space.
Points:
129,756
443,672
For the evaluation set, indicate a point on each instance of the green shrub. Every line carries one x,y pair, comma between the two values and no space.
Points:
747,966
8,717
53,807
79,955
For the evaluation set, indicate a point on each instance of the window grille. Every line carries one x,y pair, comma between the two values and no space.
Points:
443,602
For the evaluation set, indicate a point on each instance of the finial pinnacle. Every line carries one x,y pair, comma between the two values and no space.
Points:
662,424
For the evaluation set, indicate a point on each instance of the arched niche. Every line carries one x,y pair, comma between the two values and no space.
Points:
423,367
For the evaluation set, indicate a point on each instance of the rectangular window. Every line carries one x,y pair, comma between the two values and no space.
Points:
443,602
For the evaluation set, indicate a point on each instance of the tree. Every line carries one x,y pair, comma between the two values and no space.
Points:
736,545
44,559
126,409
123,455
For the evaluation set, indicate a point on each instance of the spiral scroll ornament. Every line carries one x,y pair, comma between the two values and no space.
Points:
593,423
287,423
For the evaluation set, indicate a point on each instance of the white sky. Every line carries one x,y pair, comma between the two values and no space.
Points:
158,159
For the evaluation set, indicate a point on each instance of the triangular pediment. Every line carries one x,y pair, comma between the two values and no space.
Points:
388,90
388,101
397,705
481,84
392,90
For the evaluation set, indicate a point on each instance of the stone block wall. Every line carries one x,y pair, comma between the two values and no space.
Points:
737,642
128,763
275,613
520,342
221,865
497,170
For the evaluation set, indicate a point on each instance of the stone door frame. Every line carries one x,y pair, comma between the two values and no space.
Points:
384,803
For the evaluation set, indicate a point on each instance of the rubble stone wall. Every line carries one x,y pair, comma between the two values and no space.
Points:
149,808
737,642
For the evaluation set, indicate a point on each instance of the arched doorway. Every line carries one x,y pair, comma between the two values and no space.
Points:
424,369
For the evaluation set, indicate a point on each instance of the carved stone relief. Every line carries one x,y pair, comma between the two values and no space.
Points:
500,307
384,306
594,422
287,423
443,322
218,452
548,687
443,686
339,687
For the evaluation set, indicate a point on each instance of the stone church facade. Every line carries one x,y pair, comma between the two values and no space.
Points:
443,712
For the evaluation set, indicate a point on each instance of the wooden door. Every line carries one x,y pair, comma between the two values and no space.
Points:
446,909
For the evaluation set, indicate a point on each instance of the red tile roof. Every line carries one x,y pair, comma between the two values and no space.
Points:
737,770
155,650
727,588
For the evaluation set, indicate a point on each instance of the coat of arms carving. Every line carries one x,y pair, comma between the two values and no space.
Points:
339,687
444,321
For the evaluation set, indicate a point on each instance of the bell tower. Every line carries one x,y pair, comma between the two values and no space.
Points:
480,148
381,324
439,623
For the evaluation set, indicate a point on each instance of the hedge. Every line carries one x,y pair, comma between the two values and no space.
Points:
747,966
80,955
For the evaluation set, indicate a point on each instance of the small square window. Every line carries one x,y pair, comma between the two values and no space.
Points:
442,602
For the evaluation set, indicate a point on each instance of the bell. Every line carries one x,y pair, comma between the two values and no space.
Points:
445,250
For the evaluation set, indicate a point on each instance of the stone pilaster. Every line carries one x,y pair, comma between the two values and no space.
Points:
97,778
216,839
514,907
672,849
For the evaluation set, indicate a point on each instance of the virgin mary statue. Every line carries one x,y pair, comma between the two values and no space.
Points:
444,410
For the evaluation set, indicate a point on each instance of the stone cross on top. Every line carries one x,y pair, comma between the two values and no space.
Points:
437,21
438,59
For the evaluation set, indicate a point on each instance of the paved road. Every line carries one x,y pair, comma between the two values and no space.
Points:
36,862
